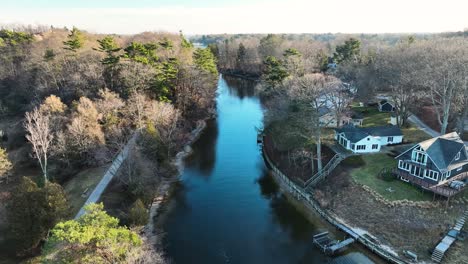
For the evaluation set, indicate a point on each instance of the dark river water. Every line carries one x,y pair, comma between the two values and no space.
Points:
227,208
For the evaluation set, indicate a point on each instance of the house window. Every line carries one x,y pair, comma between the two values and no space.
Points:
419,157
390,139
434,175
446,175
375,146
403,165
353,146
361,147
457,157
459,169
416,171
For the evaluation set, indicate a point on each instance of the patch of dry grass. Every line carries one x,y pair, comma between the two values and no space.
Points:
85,180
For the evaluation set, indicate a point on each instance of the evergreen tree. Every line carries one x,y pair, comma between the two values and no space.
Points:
33,211
241,57
138,215
95,237
293,62
143,53
49,55
110,48
350,50
75,40
274,72
205,60
185,43
166,44
164,81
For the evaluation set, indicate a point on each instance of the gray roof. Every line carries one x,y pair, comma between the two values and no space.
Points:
323,110
355,134
443,149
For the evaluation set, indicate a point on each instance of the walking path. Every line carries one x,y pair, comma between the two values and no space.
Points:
108,176
422,126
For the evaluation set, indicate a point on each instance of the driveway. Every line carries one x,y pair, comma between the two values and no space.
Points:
422,126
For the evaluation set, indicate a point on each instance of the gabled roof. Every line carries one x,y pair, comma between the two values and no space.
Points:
355,134
443,149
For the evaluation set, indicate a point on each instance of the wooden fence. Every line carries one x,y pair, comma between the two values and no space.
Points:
305,196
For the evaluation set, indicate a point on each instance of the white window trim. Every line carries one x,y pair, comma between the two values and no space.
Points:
457,157
430,174
414,154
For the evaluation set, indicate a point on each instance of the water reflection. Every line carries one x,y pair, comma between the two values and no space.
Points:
284,213
240,88
203,157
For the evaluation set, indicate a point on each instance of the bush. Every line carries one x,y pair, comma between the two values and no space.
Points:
138,215
354,161
388,177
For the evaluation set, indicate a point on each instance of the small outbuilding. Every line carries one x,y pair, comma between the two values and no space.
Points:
386,106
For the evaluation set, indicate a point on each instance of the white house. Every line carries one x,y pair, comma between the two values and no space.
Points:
367,139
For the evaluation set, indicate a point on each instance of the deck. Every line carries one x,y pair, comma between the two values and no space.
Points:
440,189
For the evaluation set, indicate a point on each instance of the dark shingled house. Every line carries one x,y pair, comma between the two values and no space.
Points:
386,106
435,160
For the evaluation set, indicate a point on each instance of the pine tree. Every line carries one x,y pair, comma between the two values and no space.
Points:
75,40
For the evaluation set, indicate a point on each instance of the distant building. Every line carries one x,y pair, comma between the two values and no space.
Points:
435,160
386,106
367,139
327,118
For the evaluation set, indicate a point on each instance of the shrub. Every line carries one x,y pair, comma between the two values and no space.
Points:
138,214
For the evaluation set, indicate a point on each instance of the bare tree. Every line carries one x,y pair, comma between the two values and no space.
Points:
40,136
395,67
443,74
311,91
338,100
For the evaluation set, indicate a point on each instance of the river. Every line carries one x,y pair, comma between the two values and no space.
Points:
227,209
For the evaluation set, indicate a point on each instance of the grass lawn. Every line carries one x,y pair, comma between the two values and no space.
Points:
372,116
414,135
368,175
87,179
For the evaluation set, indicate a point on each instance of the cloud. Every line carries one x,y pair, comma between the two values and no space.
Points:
297,16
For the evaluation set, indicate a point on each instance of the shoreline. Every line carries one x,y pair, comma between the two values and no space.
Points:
162,197
308,201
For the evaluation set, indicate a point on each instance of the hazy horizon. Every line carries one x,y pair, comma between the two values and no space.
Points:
234,17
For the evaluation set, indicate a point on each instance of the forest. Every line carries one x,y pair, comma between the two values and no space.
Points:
69,101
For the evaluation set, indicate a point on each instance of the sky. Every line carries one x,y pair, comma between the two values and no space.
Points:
241,16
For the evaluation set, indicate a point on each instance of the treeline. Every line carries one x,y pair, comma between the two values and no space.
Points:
75,99
410,69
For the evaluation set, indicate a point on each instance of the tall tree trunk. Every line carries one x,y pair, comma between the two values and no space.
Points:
319,152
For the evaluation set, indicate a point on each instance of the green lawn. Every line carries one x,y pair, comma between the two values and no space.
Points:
87,179
372,116
368,175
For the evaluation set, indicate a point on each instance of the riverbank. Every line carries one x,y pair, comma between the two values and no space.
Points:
309,202
408,225
163,193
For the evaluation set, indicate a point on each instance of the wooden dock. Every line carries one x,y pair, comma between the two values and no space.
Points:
444,245
330,246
